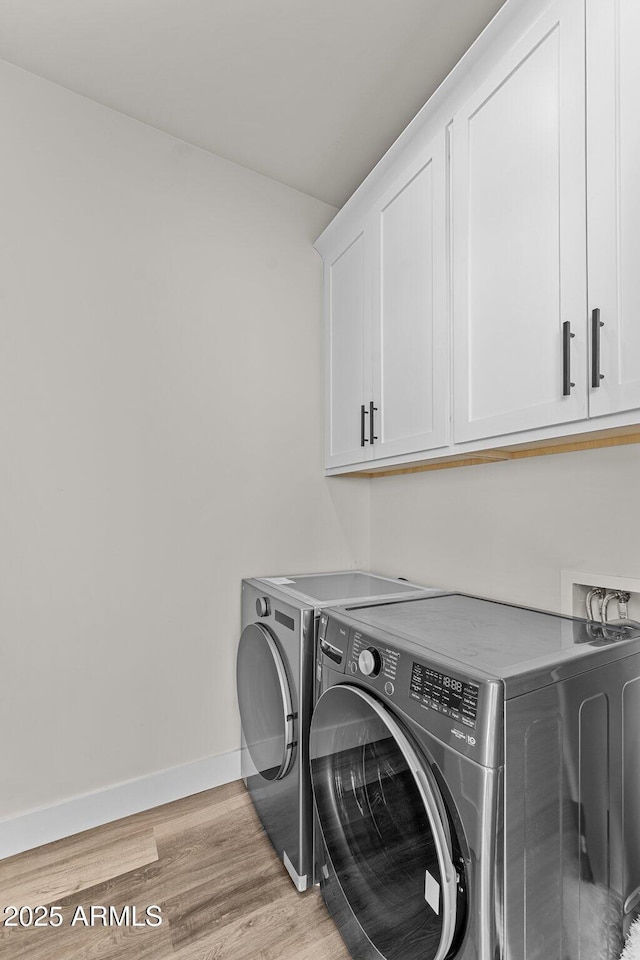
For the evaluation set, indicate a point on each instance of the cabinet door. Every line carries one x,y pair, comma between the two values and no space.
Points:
613,202
409,326
519,254
348,374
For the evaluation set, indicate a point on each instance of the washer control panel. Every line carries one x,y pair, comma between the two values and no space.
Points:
459,707
445,694
373,660
370,662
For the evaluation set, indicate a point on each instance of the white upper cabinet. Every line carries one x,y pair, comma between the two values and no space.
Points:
387,367
464,308
613,203
409,310
519,236
347,376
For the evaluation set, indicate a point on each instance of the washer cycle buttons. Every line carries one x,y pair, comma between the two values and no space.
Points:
389,688
370,662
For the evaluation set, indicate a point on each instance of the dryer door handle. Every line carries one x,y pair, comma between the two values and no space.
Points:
269,735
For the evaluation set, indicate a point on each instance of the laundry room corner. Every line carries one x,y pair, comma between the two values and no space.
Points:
351,500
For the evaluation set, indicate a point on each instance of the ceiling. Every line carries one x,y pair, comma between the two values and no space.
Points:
308,92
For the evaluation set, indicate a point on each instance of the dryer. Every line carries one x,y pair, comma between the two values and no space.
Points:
275,684
475,769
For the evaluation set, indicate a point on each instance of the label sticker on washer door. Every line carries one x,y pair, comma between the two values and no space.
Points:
432,892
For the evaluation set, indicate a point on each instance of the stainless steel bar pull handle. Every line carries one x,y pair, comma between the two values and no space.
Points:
596,323
372,410
567,336
363,414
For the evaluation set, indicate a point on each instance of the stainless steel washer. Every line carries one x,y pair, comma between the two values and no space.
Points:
475,768
275,682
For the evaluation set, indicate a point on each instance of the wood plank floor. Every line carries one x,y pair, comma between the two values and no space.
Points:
205,860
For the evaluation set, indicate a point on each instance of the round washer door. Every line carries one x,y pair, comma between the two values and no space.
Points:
265,702
384,825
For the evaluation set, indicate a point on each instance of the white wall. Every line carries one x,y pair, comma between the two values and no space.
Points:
506,530
160,418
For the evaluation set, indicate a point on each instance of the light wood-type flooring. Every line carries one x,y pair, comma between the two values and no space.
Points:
205,861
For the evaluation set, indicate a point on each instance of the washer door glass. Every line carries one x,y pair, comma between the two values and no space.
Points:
384,825
265,702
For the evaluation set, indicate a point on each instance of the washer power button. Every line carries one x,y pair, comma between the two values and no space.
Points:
389,688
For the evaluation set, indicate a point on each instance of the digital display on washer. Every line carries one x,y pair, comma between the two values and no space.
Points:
444,694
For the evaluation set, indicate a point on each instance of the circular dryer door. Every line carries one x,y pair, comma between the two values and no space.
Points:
265,702
384,825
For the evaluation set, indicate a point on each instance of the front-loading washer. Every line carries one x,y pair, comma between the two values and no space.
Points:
275,683
475,769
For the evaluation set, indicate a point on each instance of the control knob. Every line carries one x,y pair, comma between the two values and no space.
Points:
263,607
370,662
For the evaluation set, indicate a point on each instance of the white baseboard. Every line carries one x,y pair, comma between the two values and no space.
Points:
93,809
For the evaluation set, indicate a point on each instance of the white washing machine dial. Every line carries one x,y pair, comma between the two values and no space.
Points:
370,662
